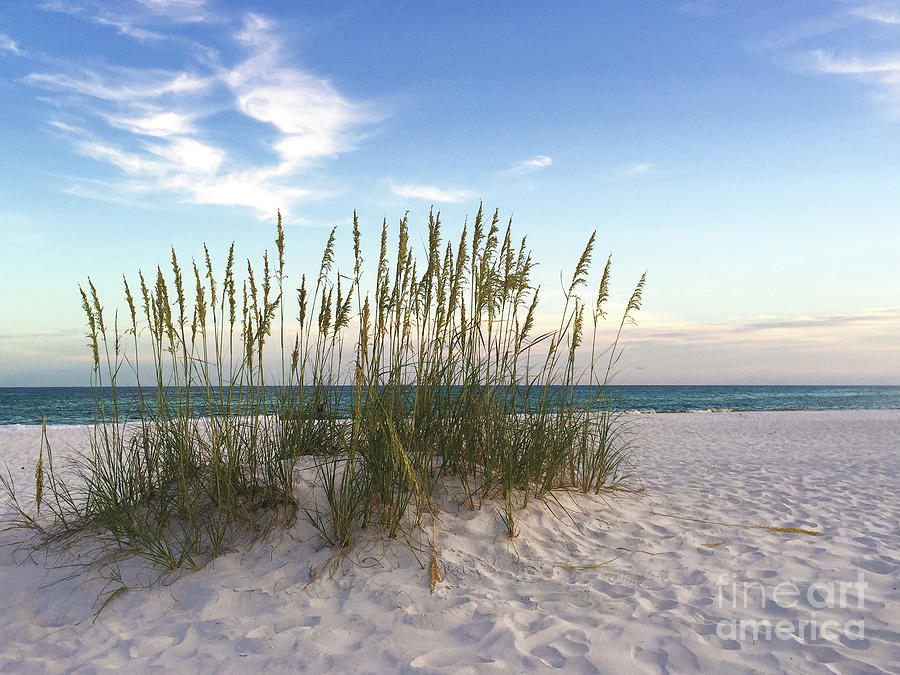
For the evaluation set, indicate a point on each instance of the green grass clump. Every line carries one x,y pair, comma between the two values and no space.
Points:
437,374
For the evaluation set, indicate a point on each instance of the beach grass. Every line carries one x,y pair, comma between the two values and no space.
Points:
437,373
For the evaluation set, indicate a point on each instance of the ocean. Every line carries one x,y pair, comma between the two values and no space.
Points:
75,405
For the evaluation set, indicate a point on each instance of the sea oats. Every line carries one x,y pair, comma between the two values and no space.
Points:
449,351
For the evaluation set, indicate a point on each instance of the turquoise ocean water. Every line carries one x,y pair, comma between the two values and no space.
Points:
75,405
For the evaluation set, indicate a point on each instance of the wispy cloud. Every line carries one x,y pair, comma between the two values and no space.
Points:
126,27
825,62
431,193
168,123
846,39
879,13
183,11
529,165
142,20
133,18
155,126
634,170
7,44
851,348
788,35
885,321
314,119
103,192
122,85
882,71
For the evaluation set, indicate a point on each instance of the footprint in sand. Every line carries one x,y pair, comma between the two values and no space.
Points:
150,646
655,658
883,566
549,655
616,591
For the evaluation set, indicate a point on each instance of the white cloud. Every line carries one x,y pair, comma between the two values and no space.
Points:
124,26
636,169
190,155
67,128
824,62
245,189
132,163
430,192
857,27
314,119
166,116
122,85
183,11
168,123
129,18
882,71
528,165
7,44
886,14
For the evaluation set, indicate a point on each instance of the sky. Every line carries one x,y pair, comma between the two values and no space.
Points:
746,155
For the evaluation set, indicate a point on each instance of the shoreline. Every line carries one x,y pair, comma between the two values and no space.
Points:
69,405
625,412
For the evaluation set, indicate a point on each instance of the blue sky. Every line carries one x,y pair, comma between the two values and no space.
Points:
746,154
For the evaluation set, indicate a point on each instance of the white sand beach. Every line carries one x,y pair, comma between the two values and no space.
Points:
671,599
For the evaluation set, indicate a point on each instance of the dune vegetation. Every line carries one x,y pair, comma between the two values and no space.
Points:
437,375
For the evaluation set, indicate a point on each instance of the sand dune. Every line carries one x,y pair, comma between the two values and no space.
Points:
670,600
